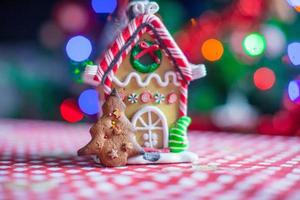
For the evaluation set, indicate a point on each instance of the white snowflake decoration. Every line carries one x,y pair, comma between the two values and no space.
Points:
133,98
159,98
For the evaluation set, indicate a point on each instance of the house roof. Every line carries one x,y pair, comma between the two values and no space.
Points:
126,40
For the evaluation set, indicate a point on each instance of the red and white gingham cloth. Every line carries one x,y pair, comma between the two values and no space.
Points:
37,161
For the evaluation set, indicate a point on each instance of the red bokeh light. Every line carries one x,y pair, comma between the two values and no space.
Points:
264,78
70,111
71,17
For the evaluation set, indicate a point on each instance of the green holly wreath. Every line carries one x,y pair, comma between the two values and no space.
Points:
142,48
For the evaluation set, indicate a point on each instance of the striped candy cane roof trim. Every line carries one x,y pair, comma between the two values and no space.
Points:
151,24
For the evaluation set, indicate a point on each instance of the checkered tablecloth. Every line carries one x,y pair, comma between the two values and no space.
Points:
38,161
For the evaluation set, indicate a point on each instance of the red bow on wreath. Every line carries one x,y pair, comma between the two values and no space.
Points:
146,48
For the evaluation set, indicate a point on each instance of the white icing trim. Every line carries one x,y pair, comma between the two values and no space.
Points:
89,73
185,156
182,157
143,7
150,126
146,82
198,71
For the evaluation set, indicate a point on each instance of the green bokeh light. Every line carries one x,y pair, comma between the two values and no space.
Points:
254,44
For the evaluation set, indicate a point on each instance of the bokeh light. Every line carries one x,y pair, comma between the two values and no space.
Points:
294,90
294,3
51,36
254,44
70,111
104,6
252,8
72,17
88,101
264,78
212,50
274,33
294,53
79,48
297,8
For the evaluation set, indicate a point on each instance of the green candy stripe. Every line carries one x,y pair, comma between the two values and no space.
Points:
178,149
186,121
182,127
178,138
174,145
177,131
178,141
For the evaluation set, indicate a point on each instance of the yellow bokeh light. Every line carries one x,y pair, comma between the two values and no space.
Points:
212,50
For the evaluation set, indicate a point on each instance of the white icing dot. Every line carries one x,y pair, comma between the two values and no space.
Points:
154,136
147,144
146,136
155,142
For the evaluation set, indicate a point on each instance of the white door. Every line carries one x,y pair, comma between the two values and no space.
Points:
151,126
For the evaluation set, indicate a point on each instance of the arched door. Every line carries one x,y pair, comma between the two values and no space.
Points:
151,126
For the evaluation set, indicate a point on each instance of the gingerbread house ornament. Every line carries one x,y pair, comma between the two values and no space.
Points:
151,73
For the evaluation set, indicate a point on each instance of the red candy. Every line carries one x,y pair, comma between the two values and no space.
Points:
172,98
146,97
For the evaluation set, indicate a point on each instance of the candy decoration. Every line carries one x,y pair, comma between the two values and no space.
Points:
141,49
159,98
172,98
146,97
178,140
132,98
105,73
